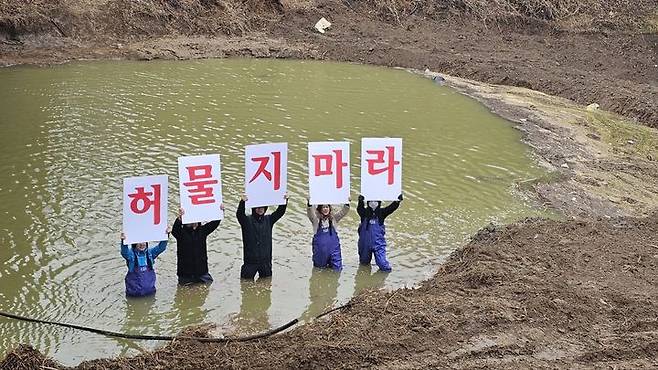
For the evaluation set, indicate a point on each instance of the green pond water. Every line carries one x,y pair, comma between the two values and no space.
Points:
72,132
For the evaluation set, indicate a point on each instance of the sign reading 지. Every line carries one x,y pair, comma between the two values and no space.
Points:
266,174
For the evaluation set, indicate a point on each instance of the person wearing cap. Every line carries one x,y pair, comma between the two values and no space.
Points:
372,231
257,238
140,278
326,243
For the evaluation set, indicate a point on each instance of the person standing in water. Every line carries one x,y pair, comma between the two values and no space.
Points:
140,279
192,250
257,238
372,232
326,243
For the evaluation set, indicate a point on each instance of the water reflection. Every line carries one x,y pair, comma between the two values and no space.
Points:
188,304
323,290
140,318
255,301
365,279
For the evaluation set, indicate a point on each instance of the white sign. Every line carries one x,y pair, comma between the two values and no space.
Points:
329,172
200,180
381,168
266,174
145,208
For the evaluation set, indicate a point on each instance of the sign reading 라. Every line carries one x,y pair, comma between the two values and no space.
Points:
381,168
145,208
329,172
266,174
200,180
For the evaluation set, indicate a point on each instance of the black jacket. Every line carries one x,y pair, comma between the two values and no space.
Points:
192,252
257,233
366,213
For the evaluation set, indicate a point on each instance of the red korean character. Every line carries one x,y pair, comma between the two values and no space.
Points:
380,159
203,192
147,202
268,175
327,159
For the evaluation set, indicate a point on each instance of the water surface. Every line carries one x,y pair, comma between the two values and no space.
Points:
72,132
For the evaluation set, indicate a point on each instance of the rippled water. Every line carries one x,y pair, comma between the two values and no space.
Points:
72,132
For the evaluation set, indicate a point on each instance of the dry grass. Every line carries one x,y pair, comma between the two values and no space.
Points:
88,18
29,16
135,17
567,14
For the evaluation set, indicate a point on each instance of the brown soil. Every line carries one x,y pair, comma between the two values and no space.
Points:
573,294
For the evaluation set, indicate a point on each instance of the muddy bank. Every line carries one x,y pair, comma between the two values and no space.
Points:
594,52
534,294
601,165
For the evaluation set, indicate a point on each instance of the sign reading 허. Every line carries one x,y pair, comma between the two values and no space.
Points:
145,208
200,180
381,168
266,174
329,172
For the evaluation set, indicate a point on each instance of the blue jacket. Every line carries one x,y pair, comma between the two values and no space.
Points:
150,253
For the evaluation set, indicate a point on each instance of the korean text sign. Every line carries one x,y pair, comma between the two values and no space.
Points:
266,174
329,172
200,180
145,208
381,168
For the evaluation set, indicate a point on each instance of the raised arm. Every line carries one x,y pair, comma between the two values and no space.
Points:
386,211
279,212
125,249
242,217
361,207
158,249
210,226
177,229
342,212
311,213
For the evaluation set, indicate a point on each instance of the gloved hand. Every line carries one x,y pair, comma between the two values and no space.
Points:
400,197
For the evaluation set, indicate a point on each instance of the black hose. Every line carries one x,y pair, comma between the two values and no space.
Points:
169,337
153,337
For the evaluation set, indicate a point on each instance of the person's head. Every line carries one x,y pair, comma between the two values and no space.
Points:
324,209
374,204
259,211
140,246
193,225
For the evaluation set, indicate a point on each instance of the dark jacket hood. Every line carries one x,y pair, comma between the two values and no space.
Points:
254,215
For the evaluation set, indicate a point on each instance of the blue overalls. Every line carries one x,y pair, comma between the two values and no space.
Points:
326,248
372,240
140,279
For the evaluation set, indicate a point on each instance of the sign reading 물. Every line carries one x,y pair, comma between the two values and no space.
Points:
381,168
329,172
266,174
200,180
145,208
